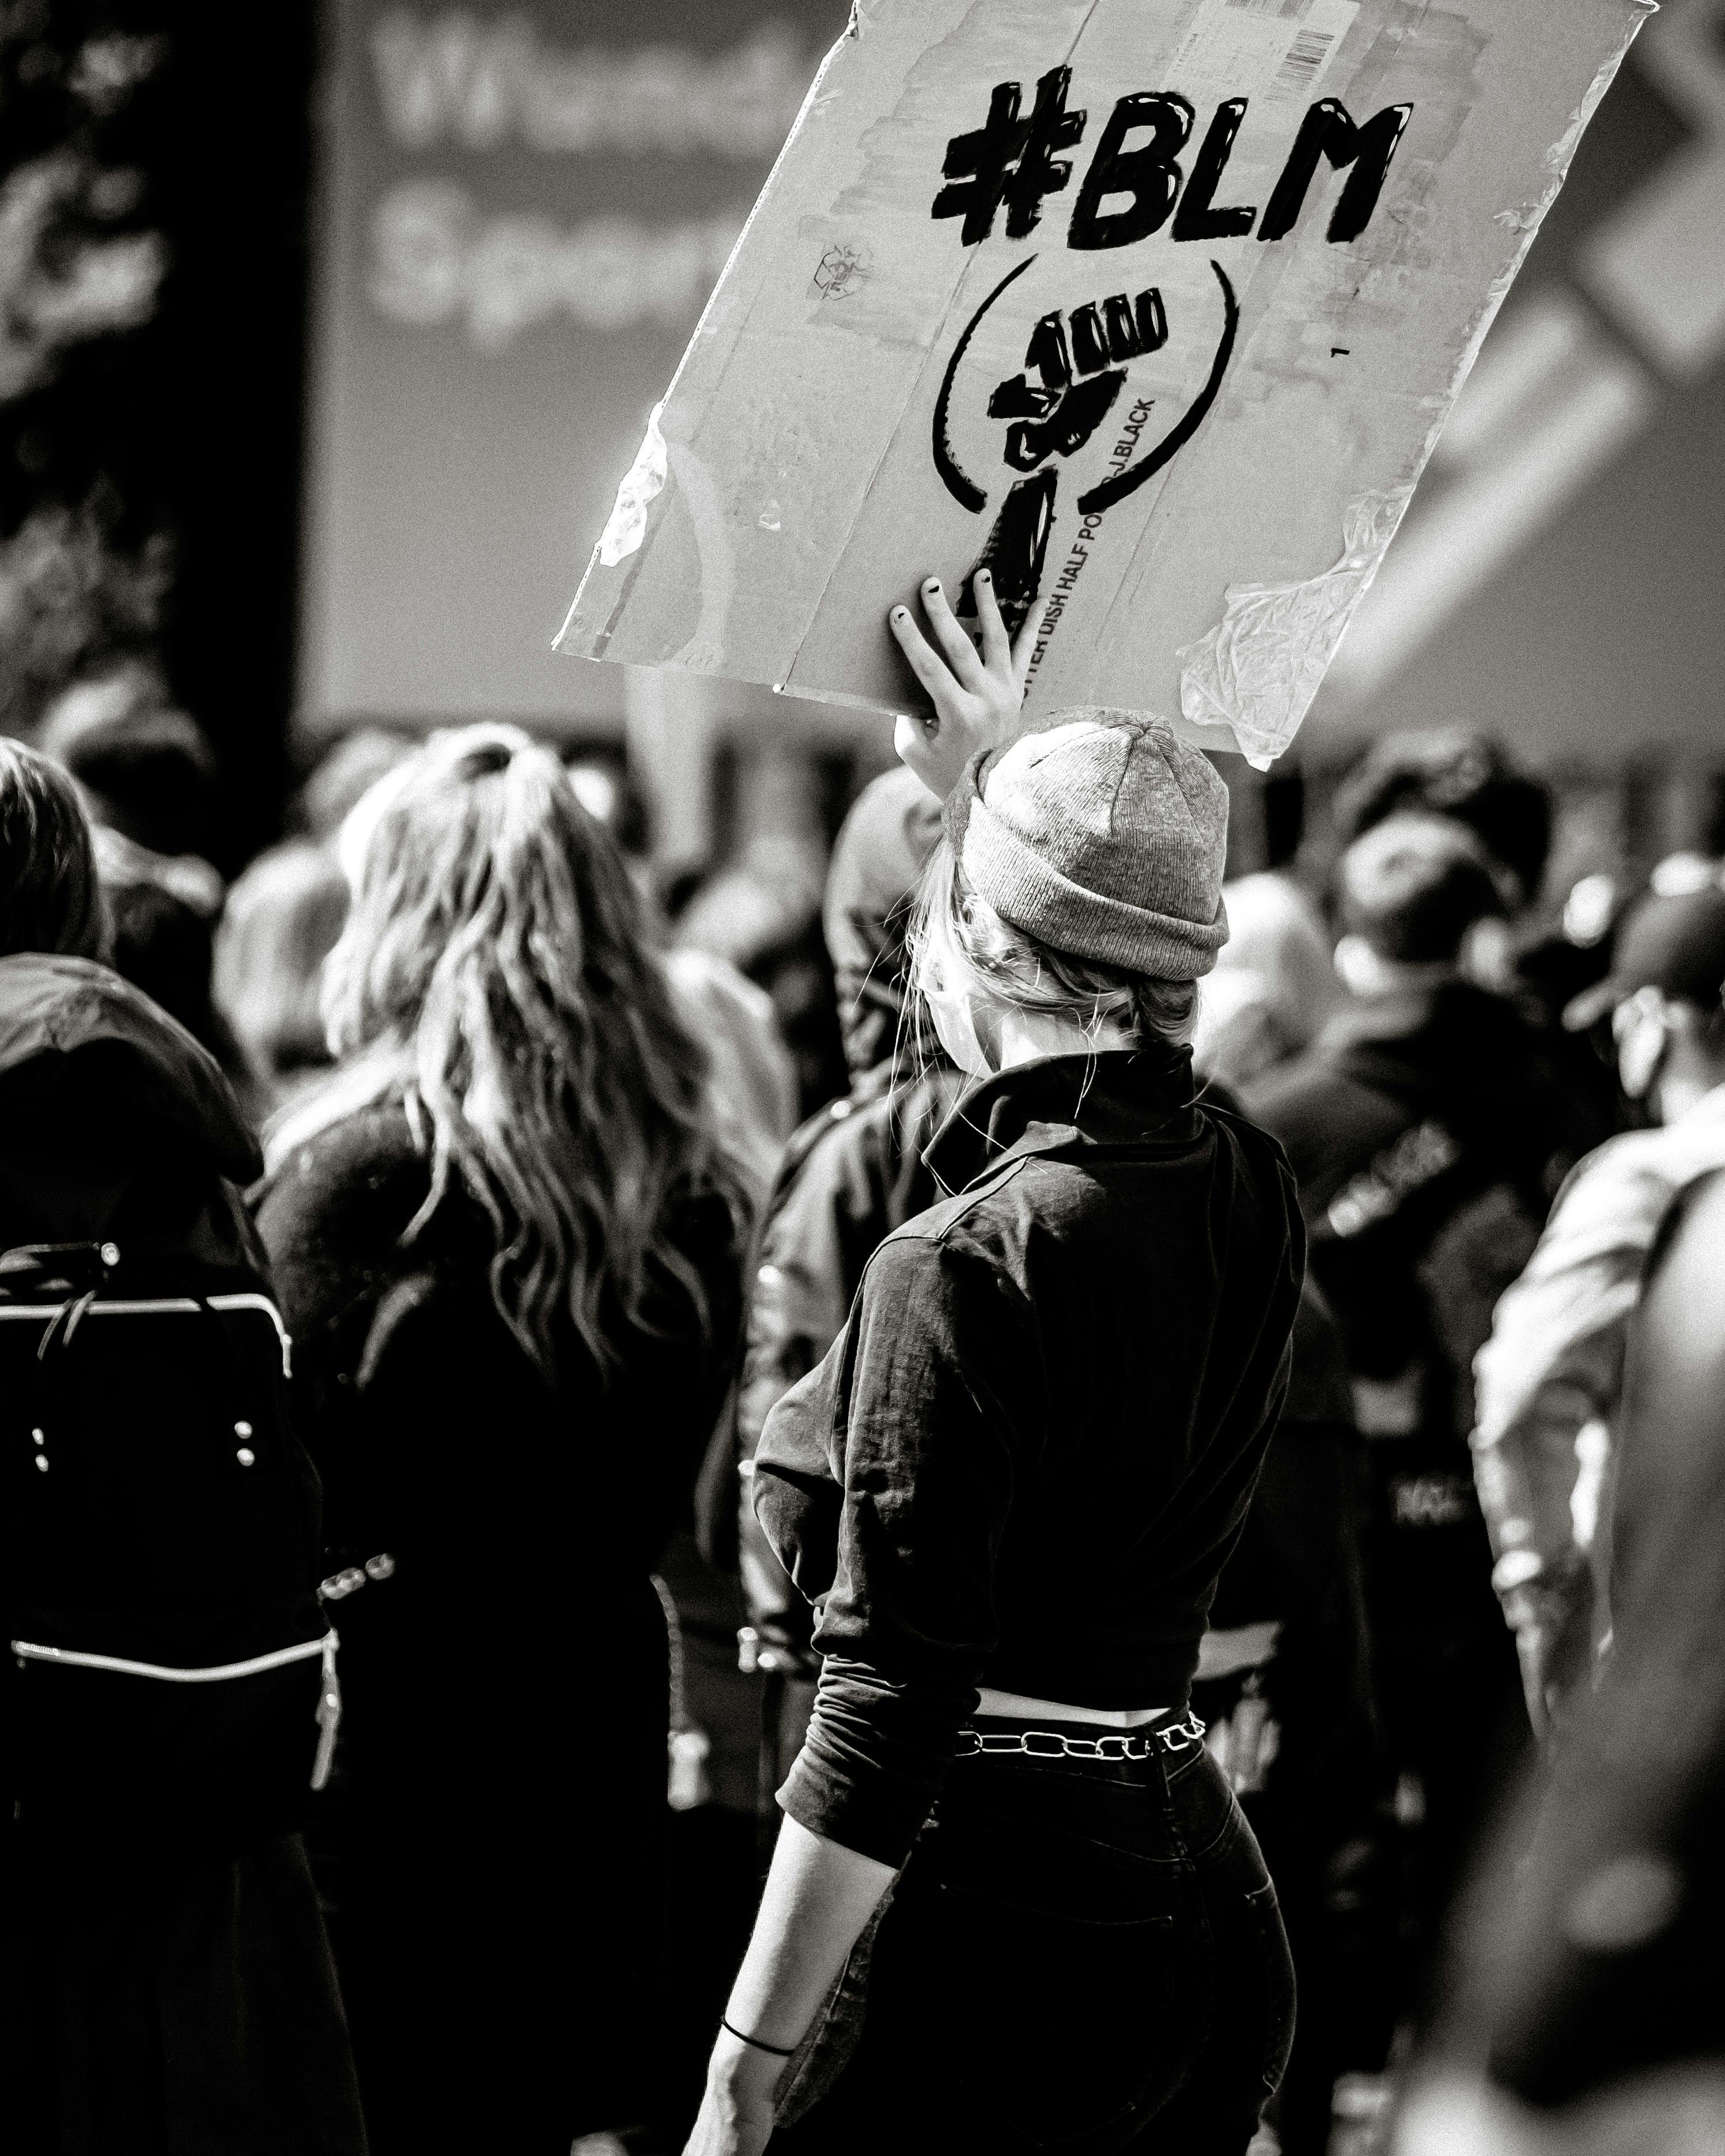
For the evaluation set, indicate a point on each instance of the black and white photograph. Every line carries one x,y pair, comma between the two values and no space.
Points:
862,1078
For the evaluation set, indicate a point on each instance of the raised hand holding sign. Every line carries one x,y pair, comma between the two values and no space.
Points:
1153,314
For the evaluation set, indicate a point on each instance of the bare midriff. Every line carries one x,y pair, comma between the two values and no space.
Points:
1015,1707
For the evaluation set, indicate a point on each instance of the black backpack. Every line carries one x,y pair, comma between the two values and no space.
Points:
168,1669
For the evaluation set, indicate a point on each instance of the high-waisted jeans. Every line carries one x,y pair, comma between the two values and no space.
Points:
1081,1955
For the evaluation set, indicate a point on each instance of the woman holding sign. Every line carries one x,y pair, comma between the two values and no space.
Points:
1013,1904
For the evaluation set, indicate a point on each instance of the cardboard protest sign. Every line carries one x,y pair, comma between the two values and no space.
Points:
1155,306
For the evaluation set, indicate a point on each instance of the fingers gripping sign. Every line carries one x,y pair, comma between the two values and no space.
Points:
975,689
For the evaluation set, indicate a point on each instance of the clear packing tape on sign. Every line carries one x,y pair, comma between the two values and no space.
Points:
1155,307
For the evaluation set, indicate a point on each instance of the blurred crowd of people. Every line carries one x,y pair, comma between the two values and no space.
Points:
1463,1672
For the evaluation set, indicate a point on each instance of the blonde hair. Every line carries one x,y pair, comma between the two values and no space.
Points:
493,974
958,938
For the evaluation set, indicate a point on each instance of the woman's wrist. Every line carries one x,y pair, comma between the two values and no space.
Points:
740,2065
755,2043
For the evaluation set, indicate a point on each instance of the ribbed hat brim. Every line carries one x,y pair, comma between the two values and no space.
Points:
1036,898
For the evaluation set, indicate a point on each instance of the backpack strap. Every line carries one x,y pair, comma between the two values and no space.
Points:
79,1272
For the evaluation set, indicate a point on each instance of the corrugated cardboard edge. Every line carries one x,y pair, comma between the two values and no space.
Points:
1275,642
594,644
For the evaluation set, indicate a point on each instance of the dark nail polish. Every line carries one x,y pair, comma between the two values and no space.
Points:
932,585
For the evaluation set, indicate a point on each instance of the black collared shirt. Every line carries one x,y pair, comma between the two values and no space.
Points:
1028,1455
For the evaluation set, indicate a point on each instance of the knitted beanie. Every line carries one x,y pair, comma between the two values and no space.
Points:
1103,835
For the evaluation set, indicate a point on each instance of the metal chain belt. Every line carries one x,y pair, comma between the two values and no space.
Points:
1050,1744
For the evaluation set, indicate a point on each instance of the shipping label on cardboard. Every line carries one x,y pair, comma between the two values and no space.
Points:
1156,307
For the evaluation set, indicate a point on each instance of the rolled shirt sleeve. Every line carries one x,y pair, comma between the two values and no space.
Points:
920,1423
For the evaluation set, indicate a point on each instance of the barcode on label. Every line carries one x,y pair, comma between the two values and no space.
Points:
1305,56
1290,11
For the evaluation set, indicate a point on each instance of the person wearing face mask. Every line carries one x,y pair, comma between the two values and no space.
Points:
1549,1380
1014,1902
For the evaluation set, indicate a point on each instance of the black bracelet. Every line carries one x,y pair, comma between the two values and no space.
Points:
779,2051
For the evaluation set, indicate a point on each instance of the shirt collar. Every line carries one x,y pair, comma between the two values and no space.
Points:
1119,1098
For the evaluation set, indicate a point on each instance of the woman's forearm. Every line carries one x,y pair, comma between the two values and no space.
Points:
819,1897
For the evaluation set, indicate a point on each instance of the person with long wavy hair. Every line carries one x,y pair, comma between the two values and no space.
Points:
508,1246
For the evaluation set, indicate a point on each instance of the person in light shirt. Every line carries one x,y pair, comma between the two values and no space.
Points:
1549,1379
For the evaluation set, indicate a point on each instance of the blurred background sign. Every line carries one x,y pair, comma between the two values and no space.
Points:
524,209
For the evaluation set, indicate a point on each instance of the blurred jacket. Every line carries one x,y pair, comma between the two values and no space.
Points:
1286,1683
1427,1129
500,1781
1550,1378
851,1174
1587,1970
1290,1606
1430,1114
